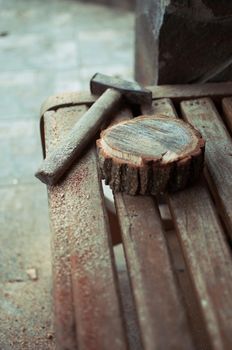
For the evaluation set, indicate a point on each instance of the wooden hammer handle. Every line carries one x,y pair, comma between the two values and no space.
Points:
56,164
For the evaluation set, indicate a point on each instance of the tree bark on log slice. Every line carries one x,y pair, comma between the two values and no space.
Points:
150,155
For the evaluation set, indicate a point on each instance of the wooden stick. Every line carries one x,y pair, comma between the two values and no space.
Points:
71,147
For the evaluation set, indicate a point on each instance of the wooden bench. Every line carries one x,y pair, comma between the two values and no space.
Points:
180,276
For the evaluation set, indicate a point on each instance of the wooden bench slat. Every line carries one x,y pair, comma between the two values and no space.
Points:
64,318
227,109
82,250
208,258
175,92
161,316
161,106
188,91
165,106
203,114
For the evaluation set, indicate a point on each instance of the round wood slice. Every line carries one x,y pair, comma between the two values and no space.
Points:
150,155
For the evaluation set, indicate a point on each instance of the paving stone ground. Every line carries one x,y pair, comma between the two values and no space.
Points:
45,47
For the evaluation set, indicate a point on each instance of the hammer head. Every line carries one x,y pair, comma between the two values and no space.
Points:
131,90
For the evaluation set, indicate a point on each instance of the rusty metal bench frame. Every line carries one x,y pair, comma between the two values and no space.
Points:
181,287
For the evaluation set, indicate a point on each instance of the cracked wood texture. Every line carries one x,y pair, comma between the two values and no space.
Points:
203,114
150,155
86,303
202,237
161,314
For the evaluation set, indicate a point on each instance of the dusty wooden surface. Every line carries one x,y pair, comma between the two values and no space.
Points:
186,289
203,114
86,302
205,250
185,281
161,316
208,258
142,235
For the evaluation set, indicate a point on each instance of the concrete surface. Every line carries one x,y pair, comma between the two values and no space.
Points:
46,47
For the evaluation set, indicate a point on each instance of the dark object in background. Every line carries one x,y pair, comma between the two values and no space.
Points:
183,41
4,33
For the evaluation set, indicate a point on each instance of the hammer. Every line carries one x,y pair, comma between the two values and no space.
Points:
112,91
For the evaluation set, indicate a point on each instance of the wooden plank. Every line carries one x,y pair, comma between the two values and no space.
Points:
67,99
227,109
161,106
175,92
83,267
188,91
208,259
187,291
161,316
64,318
203,114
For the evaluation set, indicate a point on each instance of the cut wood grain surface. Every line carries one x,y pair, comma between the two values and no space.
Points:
161,315
87,306
207,256
203,114
150,154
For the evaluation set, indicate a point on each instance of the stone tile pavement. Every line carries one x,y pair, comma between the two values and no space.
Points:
45,47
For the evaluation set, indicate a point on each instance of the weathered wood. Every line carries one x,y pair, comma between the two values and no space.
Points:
208,259
150,154
161,106
227,108
187,292
161,316
188,91
64,318
203,114
202,240
175,92
61,158
87,307
67,99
